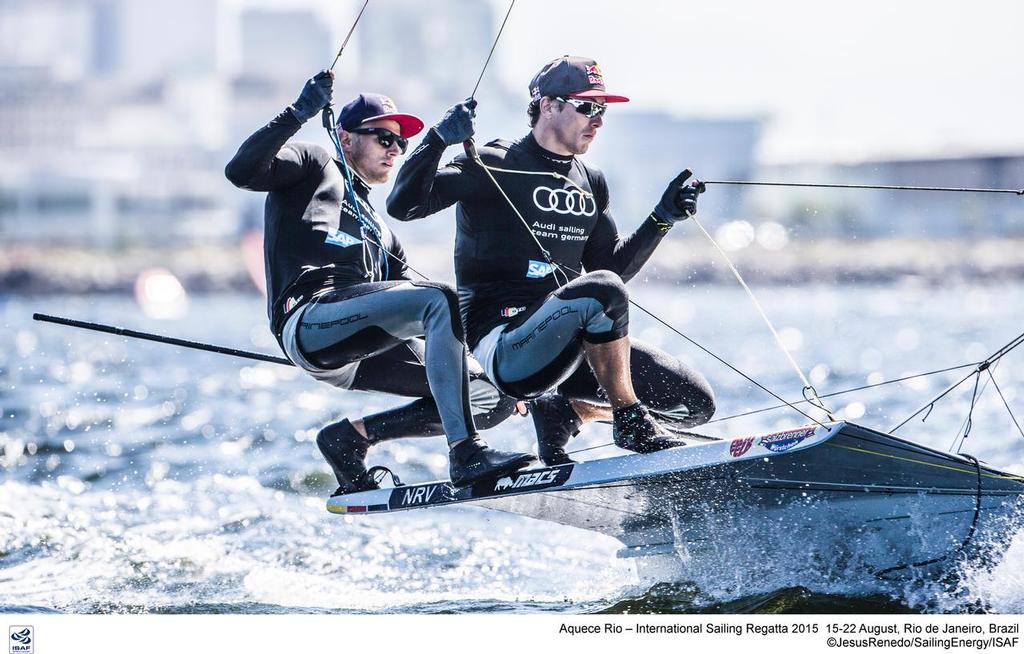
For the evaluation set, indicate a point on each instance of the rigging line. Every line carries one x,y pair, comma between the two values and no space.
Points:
969,425
727,364
546,173
1005,403
349,35
968,421
882,187
493,46
365,226
815,399
995,356
475,156
845,392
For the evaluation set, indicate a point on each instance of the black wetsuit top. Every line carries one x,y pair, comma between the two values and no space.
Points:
313,240
499,268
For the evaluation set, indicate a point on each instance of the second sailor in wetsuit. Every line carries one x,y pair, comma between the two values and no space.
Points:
532,316
341,302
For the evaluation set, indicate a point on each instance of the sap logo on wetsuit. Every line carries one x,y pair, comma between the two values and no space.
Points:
565,201
539,269
341,239
531,480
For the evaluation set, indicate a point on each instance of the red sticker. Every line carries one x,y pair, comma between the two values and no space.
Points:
740,446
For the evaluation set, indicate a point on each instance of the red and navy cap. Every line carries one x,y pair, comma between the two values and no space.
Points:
575,77
374,106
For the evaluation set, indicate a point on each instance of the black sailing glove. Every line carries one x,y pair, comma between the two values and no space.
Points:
457,124
679,201
316,95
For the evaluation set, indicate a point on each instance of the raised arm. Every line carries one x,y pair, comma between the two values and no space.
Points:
607,250
264,162
421,188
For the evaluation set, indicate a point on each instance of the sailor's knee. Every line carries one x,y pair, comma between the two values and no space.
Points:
604,286
441,294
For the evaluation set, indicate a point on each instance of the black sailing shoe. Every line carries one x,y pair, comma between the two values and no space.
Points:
634,429
555,422
345,449
471,461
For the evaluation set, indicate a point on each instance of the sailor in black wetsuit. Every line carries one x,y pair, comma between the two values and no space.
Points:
531,314
341,302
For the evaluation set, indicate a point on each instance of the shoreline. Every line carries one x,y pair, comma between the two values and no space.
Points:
36,270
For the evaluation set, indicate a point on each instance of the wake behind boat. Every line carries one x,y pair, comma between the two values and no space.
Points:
870,500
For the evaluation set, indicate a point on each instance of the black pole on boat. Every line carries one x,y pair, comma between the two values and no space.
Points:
157,338
879,187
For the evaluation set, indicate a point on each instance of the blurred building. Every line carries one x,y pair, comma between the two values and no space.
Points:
118,116
814,212
641,152
284,45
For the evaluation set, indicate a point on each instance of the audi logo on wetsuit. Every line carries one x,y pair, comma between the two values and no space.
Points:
565,201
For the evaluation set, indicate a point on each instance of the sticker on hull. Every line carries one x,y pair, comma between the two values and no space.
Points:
786,440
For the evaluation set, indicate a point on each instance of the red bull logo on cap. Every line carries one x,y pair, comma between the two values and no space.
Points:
594,75
388,104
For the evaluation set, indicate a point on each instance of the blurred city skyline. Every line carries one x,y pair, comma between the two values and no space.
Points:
832,82
117,116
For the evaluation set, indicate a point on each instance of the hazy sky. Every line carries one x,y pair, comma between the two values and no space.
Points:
840,80
837,80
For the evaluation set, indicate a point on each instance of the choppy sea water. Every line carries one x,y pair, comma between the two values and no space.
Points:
138,477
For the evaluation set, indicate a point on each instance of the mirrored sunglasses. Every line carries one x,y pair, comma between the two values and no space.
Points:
585,107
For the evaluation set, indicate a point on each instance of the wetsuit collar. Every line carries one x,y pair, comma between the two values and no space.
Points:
361,187
530,143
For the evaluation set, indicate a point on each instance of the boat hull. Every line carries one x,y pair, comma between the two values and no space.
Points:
857,499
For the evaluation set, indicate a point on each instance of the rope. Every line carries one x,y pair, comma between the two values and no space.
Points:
882,187
1005,403
493,46
845,391
815,399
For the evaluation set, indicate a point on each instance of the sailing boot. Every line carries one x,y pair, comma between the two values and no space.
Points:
634,429
556,422
471,461
345,449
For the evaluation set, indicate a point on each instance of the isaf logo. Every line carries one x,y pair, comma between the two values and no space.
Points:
22,639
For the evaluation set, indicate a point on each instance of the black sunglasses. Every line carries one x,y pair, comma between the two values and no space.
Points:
588,109
384,136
